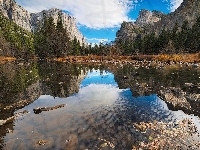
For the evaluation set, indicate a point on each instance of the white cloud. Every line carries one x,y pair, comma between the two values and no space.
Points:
91,13
99,94
98,40
173,4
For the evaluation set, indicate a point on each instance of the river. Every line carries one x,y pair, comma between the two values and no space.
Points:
51,105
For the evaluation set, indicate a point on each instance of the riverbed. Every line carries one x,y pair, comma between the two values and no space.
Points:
53,105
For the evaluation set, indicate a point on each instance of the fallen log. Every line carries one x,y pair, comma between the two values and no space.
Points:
41,109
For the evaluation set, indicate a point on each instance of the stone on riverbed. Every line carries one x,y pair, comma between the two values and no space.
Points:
172,135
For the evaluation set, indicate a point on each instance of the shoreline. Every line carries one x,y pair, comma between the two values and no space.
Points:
189,58
167,58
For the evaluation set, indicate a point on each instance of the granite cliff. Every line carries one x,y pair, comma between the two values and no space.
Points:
31,21
154,21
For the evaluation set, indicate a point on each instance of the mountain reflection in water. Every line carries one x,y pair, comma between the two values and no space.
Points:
99,103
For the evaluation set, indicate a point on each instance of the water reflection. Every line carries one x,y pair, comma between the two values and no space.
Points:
178,86
99,104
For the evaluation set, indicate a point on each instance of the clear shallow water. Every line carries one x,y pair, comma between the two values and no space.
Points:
99,110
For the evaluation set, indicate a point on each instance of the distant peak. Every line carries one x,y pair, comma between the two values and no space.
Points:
148,17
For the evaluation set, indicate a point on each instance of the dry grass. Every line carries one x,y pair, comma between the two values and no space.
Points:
93,58
114,58
117,58
178,57
4,59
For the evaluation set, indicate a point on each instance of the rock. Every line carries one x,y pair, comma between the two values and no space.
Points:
148,17
41,142
125,77
72,142
178,134
103,145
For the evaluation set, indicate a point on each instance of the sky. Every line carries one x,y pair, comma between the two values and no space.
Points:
99,20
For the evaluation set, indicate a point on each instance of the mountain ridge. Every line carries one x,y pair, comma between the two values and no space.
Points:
189,10
31,21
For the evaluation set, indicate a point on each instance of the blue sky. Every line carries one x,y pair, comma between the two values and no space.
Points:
99,20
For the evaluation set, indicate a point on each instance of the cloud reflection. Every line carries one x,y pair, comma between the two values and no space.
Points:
95,95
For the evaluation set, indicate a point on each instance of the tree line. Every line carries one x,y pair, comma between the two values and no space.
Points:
14,40
184,39
52,40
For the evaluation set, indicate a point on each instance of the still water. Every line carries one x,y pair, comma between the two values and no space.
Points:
101,103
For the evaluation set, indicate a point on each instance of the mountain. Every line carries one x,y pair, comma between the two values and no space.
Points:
148,17
154,21
129,30
32,21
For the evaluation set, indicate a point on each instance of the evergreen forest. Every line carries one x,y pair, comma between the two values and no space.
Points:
52,40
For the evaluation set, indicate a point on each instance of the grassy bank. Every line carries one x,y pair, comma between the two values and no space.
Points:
191,58
179,57
4,59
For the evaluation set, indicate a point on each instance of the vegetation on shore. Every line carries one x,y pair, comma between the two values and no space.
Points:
14,40
6,59
190,58
52,41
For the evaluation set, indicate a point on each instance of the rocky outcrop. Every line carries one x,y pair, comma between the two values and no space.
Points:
130,30
32,21
148,17
154,21
189,10
16,13
68,22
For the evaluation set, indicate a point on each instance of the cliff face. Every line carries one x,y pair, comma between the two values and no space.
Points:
148,17
130,30
154,21
16,13
31,21
68,22
189,10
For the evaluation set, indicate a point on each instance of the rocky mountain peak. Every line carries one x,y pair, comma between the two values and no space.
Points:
155,21
32,21
148,17
69,22
16,13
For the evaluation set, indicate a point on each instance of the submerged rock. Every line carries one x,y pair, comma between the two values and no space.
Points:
162,135
41,142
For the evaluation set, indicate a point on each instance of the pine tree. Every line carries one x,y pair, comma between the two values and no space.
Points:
195,36
173,43
59,25
182,36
